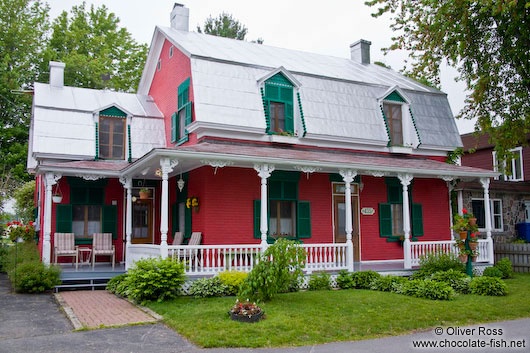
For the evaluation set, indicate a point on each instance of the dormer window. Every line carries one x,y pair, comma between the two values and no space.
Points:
395,122
277,117
111,134
279,100
399,121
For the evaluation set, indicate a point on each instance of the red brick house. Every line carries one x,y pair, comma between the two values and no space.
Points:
509,193
345,156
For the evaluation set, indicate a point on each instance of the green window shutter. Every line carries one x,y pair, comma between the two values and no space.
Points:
35,213
275,189
174,125
395,194
290,190
110,220
63,219
289,117
96,196
257,213
78,196
303,222
183,92
417,220
272,92
385,220
188,117
187,222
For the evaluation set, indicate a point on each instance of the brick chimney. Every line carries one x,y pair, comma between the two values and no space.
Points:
360,51
180,18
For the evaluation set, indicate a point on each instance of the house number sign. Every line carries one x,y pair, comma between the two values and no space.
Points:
367,211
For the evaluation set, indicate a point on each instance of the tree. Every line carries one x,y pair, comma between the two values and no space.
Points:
92,45
24,26
224,26
25,201
488,41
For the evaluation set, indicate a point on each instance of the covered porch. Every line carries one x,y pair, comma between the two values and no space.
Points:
251,167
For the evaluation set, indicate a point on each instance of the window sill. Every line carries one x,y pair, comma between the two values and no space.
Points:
284,139
182,140
401,149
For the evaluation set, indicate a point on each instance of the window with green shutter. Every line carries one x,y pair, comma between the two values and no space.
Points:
391,213
279,104
182,118
110,220
63,219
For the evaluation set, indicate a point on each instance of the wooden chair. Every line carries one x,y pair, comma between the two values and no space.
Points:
178,238
64,245
195,239
102,245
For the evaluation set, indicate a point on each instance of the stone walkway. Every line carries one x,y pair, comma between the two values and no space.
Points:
101,308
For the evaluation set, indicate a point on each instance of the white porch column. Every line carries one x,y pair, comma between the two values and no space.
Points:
405,182
167,166
460,200
449,182
486,184
348,175
50,180
127,185
264,172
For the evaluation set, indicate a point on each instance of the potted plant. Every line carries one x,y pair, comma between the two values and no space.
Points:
462,256
57,196
474,254
246,312
461,225
144,193
473,241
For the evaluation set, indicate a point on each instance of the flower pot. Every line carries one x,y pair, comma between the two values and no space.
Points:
246,318
473,259
462,246
57,198
463,235
462,258
473,246
472,221
144,195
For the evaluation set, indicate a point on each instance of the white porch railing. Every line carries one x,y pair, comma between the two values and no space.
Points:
137,252
419,249
325,257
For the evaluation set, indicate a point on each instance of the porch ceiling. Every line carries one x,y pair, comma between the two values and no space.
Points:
284,157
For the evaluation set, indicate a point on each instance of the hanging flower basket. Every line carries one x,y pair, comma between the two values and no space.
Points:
463,235
462,258
57,198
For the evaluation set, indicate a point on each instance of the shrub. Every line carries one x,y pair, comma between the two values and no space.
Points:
320,281
116,282
433,263
492,272
457,280
487,286
24,252
233,279
387,283
155,279
364,279
427,289
345,280
505,266
208,287
270,277
34,277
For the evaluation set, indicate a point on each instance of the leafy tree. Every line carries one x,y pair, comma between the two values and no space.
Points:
24,26
92,45
25,201
224,26
488,41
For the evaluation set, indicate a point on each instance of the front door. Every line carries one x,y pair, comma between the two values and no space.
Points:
339,211
142,229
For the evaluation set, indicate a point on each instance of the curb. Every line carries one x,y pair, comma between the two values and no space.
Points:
68,311
145,310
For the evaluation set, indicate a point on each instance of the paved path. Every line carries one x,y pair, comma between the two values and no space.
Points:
96,308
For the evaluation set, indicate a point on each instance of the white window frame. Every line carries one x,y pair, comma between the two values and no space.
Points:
492,214
171,52
510,177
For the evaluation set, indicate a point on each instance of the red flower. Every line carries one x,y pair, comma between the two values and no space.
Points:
31,223
464,210
473,234
9,224
27,230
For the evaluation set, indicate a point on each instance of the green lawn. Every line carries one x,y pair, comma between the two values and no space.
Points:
325,316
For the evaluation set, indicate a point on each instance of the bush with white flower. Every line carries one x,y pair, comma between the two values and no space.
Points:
16,229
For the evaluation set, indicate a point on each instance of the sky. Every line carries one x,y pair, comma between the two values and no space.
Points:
324,27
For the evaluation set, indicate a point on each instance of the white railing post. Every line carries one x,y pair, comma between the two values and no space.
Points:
348,176
50,180
127,185
487,210
407,250
264,172
167,166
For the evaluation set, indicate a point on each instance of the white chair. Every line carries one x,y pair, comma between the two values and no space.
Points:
195,239
178,238
64,245
102,246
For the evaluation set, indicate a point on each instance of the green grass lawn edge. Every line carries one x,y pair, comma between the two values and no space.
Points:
306,318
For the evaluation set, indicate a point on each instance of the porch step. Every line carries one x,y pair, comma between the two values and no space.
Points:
85,280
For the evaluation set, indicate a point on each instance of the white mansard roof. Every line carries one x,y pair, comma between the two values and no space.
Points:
63,124
339,96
